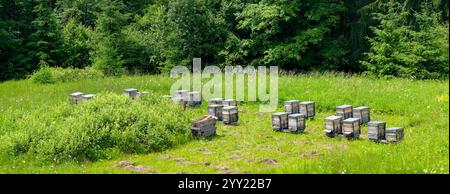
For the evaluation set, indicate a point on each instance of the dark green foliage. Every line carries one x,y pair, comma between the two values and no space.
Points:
110,123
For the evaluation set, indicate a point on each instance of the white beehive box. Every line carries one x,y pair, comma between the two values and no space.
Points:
184,94
279,121
333,126
363,113
229,102
351,127
376,130
75,97
204,126
218,101
131,93
296,123
345,111
291,106
230,115
215,110
194,99
308,109
394,134
88,96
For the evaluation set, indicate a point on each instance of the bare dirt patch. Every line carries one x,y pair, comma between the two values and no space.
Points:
129,165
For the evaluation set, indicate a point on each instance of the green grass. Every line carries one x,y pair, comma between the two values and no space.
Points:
421,107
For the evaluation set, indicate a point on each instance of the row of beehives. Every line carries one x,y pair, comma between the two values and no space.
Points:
348,121
76,97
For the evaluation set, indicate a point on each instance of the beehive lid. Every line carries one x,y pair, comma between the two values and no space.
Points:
76,94
145,92
176,99
215,106
375,123
307,102
291,101
216,99
393,129
182,91
88,95
279,114
344,106
361,108
230,108
130,90
333,118
351,120
296,115
229,100
194,92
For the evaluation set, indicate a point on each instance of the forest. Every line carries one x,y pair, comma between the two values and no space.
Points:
381,38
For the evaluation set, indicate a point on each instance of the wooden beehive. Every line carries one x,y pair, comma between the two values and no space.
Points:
204,126
215,110
345,111
194,99
88,96
291,106
308,109
376,130
132,93
75,97
279,121
230,115
351,127
394,134
184,94
333,126
363,113
180,101
296,123
216,101
229,102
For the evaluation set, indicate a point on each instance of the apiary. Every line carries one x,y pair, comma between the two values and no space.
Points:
180,101
291,106
204,126
75,97
345,111
229,102
308,109
87,96
230,115
216,101
394,134
194,99
184,94
351,128
296,123
363,113
280,121
333,126
215,110
132,93
376,130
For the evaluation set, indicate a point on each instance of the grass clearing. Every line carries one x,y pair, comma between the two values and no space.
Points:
421,107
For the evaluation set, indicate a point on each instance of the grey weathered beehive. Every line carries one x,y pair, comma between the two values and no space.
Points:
296,123
376,130
215,101
333,125
88,96
394,134
229,102
194,99
180,101
132,93
215,110
279,121
75,97
184,94
291,106
230,115
308,109
345,111
363,113
204,126
351,127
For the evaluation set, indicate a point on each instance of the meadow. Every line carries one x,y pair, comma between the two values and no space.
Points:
421,107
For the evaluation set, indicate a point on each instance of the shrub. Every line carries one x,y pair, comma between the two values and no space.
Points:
93,129
47,75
